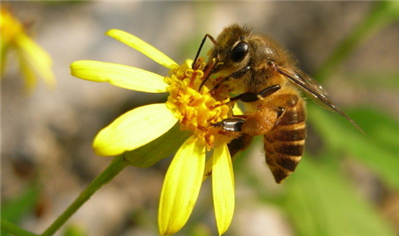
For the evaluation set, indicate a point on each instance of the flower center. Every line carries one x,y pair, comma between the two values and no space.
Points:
197,111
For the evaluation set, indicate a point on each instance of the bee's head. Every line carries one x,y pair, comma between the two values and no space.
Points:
232,50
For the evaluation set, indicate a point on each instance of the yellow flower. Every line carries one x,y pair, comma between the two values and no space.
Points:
32,58
195,110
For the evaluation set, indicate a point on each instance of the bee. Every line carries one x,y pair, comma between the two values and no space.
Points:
268,82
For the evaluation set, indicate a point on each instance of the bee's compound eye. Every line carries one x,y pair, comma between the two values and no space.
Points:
239,52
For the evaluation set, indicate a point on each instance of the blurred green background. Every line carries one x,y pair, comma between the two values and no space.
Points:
346,184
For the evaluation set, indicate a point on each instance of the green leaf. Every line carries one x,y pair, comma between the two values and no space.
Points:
380,127
320,202
383,13
378,149
16,208
7,226
158,149
387,80
75,229
19,206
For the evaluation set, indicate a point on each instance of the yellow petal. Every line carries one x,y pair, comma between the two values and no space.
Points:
3,58
29,75
37,58
142,47
208,168
181,187
223,188
119,75
134,129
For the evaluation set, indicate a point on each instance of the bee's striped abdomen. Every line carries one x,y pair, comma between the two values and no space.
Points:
284,144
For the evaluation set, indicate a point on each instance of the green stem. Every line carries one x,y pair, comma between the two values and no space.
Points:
13,229
381,14
117,165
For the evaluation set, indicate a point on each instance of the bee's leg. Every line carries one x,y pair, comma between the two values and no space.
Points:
231,124
235,123
253,97
266,115
235,75
240,73
239,144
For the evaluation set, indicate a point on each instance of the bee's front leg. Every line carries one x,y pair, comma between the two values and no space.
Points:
235,75
235,123
253,97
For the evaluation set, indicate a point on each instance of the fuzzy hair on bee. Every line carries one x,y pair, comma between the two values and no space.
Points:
268,81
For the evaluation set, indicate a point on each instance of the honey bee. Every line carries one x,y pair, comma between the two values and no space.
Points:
268,81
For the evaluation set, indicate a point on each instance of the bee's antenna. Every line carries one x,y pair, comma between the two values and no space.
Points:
200,47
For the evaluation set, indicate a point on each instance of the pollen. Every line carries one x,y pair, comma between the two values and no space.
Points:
197,110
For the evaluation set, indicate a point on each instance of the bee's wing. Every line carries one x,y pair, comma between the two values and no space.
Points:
315,91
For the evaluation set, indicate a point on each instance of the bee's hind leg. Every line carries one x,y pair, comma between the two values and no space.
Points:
230,124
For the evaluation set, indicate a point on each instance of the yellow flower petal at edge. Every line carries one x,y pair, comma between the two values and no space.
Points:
29,75
37,59
143,47
181,187
223,188
134,129
119,75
